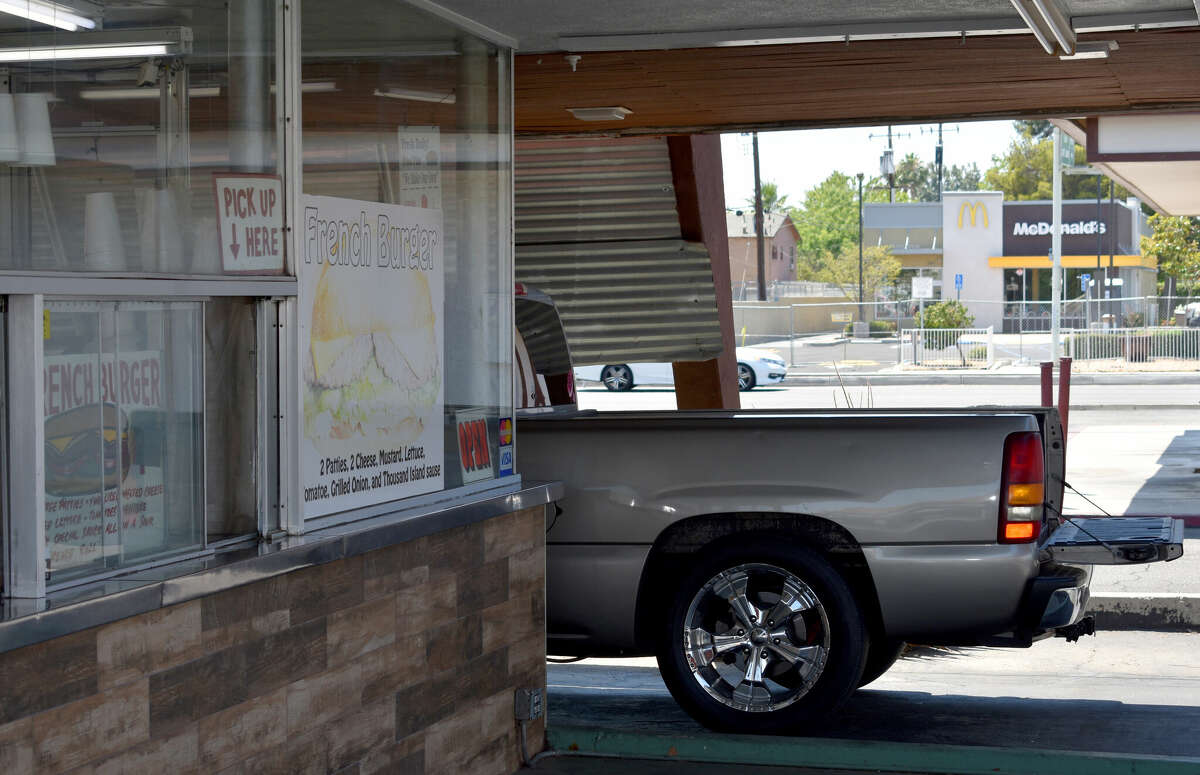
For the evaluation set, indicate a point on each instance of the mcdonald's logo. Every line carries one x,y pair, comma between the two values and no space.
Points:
973,209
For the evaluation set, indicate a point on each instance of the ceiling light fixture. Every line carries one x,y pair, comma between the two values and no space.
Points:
55,15
108,44
1048,24
1092,49
615,113
314,87
81,52
417,95
144,92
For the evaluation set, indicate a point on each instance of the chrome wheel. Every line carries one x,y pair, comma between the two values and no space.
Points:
745,377
617,377
756,637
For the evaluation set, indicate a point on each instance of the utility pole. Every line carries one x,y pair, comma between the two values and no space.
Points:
758,225
860,248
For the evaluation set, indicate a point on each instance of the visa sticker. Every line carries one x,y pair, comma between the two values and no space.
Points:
506,460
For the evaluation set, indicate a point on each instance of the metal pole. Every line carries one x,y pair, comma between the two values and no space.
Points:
891,175
1064,394
860,247
1056,253
1112,229
938,154
791,335
758,225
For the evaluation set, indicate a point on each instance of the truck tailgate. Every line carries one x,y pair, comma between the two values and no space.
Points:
1117,540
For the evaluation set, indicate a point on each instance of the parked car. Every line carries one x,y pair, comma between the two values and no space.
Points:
755,367
774,561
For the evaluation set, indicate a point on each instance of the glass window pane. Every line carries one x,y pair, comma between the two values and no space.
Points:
123,396
111,159
410,114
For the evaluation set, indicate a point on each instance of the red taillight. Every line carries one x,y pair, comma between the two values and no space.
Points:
519,289
1022,492
571,384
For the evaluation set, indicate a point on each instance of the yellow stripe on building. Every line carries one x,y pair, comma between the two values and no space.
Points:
1073,262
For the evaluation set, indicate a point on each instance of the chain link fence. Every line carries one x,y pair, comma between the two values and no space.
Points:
819,335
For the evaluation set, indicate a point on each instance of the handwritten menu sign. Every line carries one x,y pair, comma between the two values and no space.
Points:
250,221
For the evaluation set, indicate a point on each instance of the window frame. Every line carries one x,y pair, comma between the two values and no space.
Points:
24,538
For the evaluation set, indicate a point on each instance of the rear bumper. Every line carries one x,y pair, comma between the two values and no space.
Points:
1058,597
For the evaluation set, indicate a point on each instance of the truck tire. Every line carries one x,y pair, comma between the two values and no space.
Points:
881,655
762,636
617,377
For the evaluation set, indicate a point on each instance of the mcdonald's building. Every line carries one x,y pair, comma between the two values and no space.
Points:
995,257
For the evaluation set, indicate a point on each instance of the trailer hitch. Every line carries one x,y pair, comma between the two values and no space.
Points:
1073,632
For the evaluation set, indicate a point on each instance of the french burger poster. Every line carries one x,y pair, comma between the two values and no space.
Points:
371,304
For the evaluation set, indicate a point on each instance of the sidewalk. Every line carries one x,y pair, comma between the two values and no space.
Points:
1009,374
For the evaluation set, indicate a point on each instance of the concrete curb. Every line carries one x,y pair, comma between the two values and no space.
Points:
1146,611
856,754
988,378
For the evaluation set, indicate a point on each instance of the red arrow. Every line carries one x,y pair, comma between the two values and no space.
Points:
234,246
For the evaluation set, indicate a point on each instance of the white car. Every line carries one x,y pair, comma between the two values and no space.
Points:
755,367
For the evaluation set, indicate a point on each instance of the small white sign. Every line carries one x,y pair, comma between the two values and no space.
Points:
420,166
250,223
922,287
840,317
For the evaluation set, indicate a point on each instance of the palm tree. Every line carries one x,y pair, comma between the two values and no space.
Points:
772,201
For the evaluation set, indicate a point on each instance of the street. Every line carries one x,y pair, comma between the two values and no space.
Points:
1117,692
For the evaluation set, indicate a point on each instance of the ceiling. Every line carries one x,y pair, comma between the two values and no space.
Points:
716,65
541,26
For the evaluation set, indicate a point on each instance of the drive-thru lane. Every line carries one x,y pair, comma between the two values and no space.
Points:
1116,693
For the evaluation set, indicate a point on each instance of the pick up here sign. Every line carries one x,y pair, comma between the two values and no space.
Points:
250,221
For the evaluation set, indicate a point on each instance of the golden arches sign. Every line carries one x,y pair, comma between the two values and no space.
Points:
973,209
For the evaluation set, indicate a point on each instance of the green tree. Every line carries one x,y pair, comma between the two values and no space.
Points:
827,222
879,267
946,314
1175,241
1037,129
1025,170
919,179
772,201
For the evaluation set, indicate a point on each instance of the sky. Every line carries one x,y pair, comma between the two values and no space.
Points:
798,160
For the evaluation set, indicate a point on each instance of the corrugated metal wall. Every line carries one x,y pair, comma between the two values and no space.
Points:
597,229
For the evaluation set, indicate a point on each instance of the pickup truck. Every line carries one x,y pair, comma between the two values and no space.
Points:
774,561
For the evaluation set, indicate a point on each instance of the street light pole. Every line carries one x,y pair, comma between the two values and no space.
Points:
860,248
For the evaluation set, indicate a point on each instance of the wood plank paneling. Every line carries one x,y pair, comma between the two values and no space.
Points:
866,82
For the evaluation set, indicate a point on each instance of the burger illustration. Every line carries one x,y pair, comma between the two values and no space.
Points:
374,367
86,446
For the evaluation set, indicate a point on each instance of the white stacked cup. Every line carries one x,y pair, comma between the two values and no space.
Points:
33,124
103,247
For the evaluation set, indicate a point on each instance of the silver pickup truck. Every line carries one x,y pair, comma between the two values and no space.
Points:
774,561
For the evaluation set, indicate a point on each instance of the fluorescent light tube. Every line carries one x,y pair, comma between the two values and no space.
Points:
417,95
82,52
55,15
314,87
144,92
